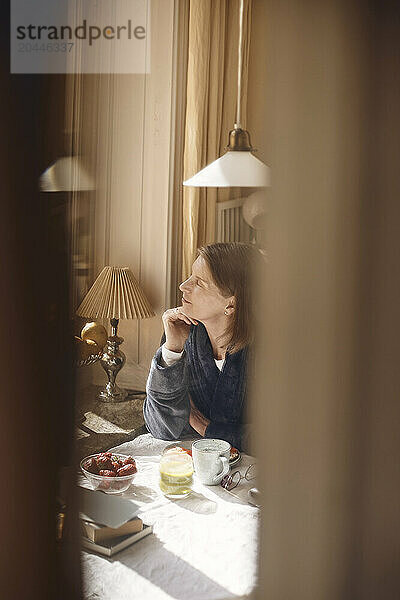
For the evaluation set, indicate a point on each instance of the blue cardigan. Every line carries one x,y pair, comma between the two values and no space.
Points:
219,395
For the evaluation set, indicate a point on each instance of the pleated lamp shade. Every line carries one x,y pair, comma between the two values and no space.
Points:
115,295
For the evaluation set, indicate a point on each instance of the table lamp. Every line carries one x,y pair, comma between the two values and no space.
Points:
114,295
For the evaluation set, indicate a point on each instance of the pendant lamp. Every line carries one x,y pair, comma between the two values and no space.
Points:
66,174
238,167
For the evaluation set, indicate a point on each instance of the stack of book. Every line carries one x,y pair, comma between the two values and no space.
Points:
109,541
109,524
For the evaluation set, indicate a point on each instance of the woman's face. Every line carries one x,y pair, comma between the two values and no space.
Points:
202,299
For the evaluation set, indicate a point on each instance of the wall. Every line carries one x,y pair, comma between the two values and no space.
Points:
131,118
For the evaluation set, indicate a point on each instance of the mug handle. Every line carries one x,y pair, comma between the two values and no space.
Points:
225,470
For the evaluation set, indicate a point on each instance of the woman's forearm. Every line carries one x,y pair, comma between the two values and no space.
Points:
166,409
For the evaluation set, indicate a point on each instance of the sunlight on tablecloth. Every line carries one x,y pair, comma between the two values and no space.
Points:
203,547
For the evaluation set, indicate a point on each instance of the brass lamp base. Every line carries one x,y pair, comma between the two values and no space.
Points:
112,394
112,361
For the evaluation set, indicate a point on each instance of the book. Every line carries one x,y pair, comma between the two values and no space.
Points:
98,533
114,545
102,509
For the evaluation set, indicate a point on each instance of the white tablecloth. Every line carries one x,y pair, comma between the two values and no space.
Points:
203,547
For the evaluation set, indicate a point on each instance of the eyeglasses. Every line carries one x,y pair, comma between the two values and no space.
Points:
232,480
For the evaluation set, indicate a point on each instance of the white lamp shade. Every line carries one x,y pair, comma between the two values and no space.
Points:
67,174
233,169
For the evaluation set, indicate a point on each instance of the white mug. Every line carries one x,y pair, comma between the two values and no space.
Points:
211,460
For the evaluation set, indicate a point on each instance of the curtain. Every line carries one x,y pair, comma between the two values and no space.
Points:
210,109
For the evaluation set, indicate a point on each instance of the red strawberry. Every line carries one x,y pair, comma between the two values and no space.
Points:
107,473
128,469
104,462
91,466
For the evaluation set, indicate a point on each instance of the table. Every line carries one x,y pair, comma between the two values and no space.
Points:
203,547
100,425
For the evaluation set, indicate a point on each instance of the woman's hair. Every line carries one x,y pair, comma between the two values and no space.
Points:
232,265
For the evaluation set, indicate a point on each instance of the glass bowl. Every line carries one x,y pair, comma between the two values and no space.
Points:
109,485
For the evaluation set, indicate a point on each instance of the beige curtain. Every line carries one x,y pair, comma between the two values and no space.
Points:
211,109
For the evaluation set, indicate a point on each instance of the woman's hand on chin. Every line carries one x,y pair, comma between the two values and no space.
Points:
177,327
197,420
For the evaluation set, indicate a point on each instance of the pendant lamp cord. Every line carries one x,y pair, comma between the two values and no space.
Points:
238,124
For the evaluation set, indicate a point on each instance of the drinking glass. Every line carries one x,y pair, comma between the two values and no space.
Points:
176,472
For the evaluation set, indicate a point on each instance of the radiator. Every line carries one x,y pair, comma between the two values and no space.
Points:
231,227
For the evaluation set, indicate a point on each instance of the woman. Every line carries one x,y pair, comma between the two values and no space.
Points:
197,380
